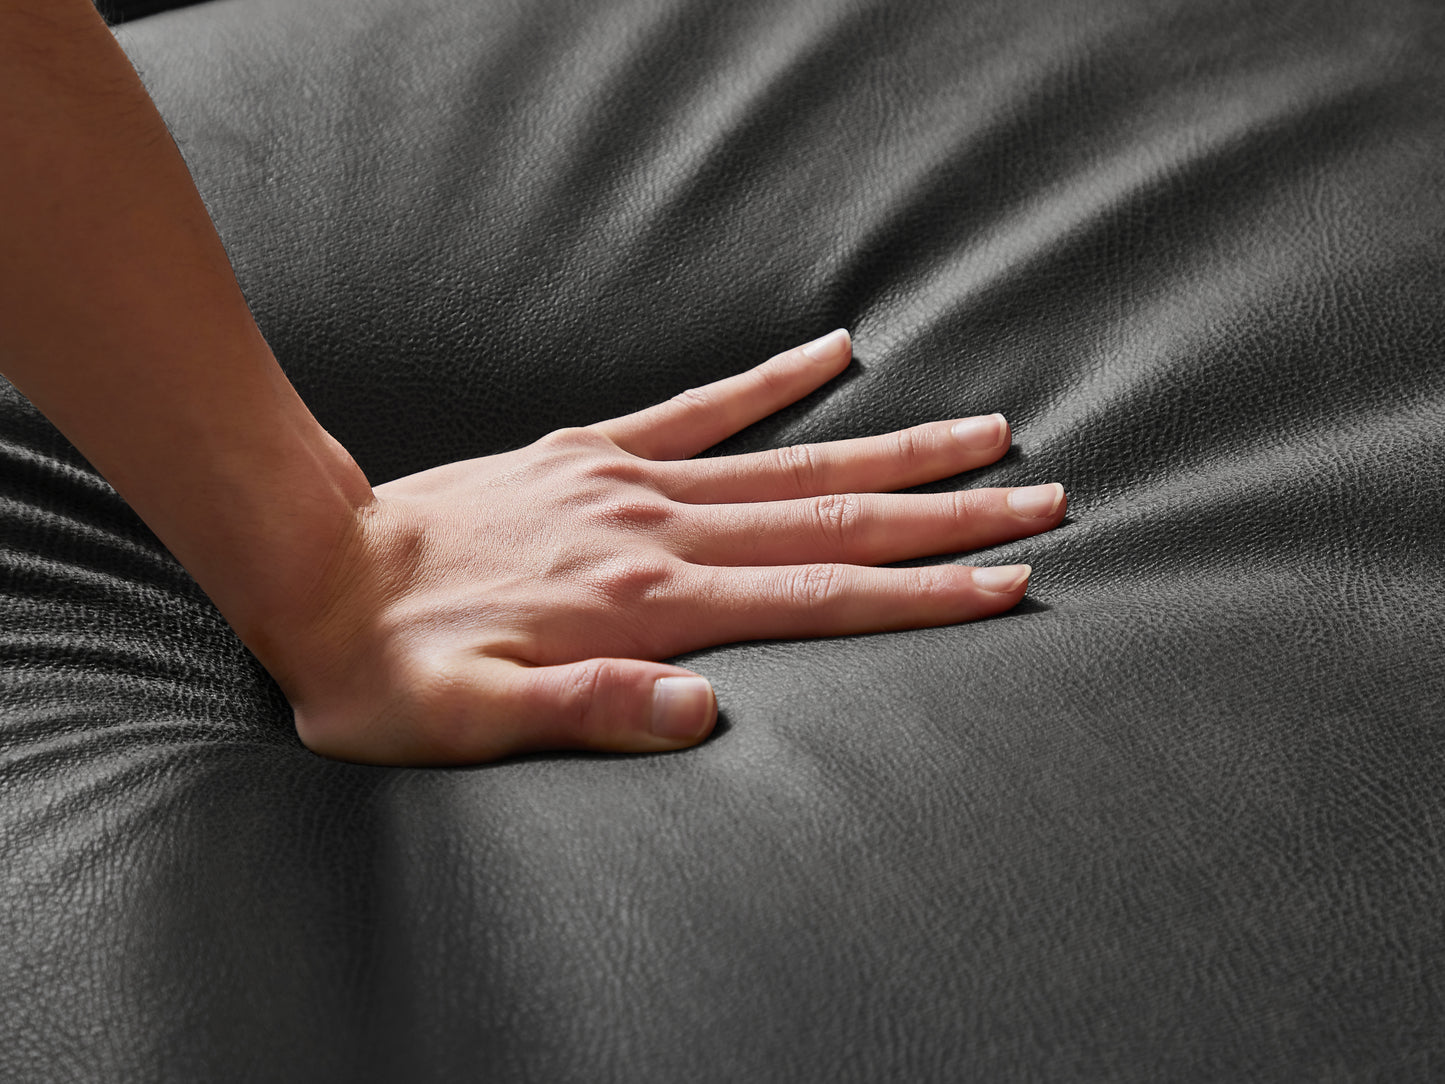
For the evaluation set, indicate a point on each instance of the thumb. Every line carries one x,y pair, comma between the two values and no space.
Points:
611,705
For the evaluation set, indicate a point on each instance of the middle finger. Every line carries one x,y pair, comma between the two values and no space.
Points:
909,457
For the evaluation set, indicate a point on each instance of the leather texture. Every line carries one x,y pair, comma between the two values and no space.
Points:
1177,817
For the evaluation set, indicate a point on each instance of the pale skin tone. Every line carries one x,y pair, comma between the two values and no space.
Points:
500,605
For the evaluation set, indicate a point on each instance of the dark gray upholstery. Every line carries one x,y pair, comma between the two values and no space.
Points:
1177,817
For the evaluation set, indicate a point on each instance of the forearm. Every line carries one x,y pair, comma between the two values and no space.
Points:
120,319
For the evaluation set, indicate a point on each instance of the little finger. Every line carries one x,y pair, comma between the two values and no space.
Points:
792,601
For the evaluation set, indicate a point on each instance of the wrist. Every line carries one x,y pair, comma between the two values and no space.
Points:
285,526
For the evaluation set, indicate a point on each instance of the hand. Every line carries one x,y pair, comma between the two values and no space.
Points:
517,602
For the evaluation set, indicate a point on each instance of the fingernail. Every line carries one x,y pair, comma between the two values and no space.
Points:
1001,579
981,433
826,347
1035,502
681,707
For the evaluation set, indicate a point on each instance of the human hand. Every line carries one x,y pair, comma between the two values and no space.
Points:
518,602
483,608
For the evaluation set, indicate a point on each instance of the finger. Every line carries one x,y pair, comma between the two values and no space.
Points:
786,602
698,418
499,707
909,457
868,529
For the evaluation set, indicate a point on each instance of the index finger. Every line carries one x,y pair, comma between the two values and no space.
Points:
696,419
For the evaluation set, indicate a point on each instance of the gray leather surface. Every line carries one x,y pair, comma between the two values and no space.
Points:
1178,817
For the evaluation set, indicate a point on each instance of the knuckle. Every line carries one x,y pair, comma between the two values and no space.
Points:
812,586
935,587
838,515
908,445
775,377
583,694
568,437
633,513
694,401
627,581
622,469
799,462
967,503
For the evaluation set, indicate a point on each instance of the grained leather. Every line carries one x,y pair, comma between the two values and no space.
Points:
1178,817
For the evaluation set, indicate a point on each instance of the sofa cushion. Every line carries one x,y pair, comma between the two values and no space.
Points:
1176,817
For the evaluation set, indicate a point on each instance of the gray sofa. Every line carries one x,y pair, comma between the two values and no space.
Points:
1177,817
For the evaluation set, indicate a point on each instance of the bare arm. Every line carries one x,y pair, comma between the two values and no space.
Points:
121,320
478,609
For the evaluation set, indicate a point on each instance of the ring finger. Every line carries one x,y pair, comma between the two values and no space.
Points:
868,528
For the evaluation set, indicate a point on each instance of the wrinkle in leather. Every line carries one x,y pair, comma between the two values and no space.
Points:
1174,818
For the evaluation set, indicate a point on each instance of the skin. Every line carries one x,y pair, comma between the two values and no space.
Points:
479,609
